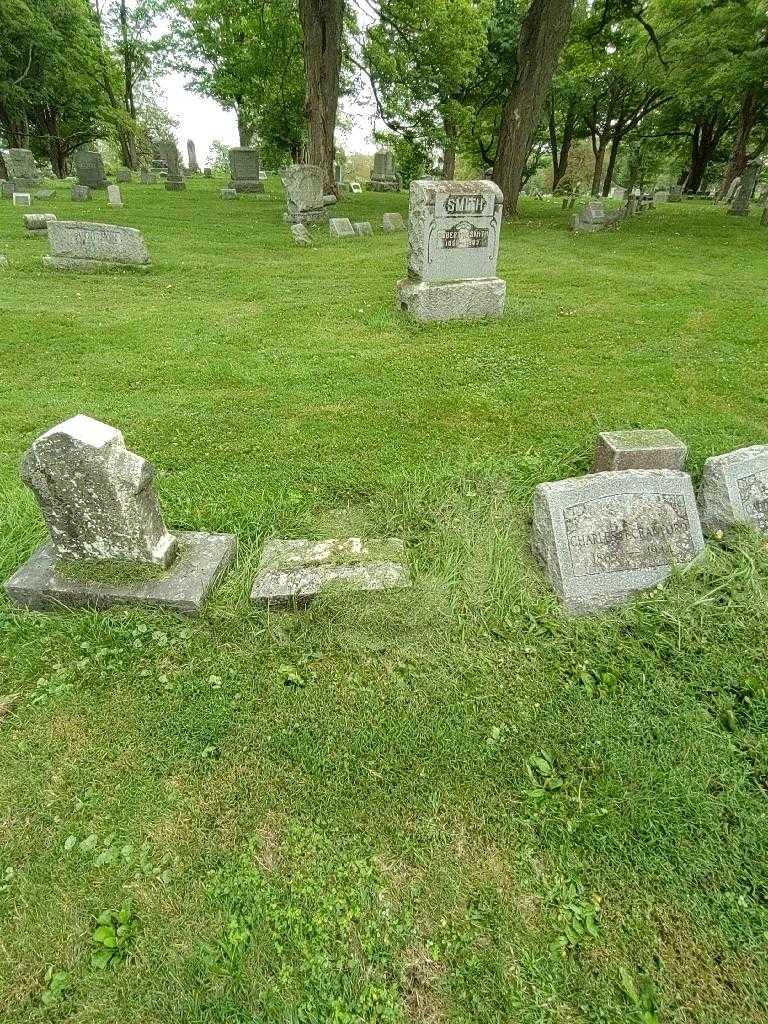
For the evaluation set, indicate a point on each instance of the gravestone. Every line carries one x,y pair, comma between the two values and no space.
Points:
262,175
363,227
37,223
44,193
453,246
329,199
99,503
355,188
639,449
734,489
675,194
227,193
114,197
80,193
194,167
595,218
338,172
4,262
297,570
147,177
304,195
174,181
732,189
663,196
22,199
617,192
300,234
392,223
740,204
244,169
123,175
23,175
383,176
341,227
89,169
82,245
604,537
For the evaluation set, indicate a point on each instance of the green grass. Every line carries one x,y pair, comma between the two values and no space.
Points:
452,804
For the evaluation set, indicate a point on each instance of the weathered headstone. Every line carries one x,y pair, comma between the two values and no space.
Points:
732,189
594,217
44,193
639,449
391,223
603,537
383,175
363,227
355,188
99,504
244,169
228,193
89,168
329,199
37,223
81,245
740,205
22,199
23,175
80,193
262,175
662,196
194,167
114,198
675,194
617,192
124,175
174,182
300,234
338,172
734,489
297,570
453,246
304,195
147,177
341,227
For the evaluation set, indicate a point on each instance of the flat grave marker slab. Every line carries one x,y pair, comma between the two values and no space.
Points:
639,449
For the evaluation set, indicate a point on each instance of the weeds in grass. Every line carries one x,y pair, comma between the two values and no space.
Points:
114,937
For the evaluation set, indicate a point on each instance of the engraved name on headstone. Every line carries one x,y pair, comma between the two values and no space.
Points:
82,245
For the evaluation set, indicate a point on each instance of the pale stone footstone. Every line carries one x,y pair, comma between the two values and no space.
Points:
99,504
300,234
734,489
80,193
82,245
228,193
392,223
123,175
341,227
114,198
22,199
639,449
330,199
740,204
304,195
297,570
262,175
244,169
89,168
604,537
363,227
453,246
4,263
37,223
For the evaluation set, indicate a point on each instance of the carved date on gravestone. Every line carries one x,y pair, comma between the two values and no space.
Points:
627,531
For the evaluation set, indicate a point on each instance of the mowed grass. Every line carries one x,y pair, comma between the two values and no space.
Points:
453,804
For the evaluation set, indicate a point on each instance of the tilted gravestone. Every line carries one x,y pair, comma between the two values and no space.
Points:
355,188
740,204
37,223
383,176
638,449
194,167
82,245
297,570
734,489
244,169
123,175
595,218
174,182
341,227
114,197
732,189
23,175
603,537
304,195
453,246
99,503
89,168
80,194
391,223
300,234
363,227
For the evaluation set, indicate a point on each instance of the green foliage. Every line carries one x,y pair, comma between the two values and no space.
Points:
58,987
578,915
113,937
641,994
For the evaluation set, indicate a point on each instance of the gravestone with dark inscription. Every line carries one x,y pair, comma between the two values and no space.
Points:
734,489
244,169
604,537
453,246
638,449
89,168
82,245
99,503
740,203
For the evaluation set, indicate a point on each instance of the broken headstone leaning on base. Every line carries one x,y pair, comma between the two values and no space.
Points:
99,503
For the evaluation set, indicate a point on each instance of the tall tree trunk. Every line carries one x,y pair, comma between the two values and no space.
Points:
541,39
608,181
449,150
561,154
739,158
322,26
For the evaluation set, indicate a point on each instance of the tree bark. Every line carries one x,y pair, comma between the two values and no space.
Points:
747,118
322,25
449,151
542,36
561,153
608,180
706,137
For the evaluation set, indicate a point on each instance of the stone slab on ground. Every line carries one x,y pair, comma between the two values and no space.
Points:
22,199
639,449
392,222
83,245
604,537
297,570
341,227
363,227
452,300
734,489
184,587
37,223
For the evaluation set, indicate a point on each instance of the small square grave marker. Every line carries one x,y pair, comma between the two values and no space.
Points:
80,193
341,227
22,199
639,449
363,227
300,234
392,222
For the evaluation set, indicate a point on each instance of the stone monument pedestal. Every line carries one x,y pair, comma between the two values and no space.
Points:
452,300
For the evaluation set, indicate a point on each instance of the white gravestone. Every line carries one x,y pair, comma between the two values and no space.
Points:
639,449
22,199
82,245
734,489
113,195
341,227
453,246
603,537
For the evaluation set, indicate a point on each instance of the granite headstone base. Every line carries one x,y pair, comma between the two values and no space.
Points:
383,185
319,216
202,560
297,570
452,300
246,185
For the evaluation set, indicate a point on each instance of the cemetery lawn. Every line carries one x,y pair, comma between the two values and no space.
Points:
452,804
